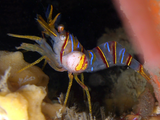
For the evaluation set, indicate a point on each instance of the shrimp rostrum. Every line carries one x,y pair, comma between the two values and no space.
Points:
67,54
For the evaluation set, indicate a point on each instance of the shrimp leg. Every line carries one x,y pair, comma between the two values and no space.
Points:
43,48
87,92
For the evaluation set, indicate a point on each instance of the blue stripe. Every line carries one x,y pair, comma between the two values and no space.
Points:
71,41
123,55
78,44
91,57
91,68
120,52
107,46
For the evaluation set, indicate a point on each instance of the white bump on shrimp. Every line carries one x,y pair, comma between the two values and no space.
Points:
75,62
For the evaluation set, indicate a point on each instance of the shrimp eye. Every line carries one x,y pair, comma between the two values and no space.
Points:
62,37
60,28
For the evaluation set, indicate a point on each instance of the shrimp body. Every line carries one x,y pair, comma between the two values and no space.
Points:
112,54
66,48
67,54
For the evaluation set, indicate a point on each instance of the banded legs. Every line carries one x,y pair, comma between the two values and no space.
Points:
69,87
32,64
81,83
87,92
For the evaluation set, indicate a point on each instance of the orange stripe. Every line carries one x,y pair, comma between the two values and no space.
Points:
129,60
141,71
63,46
103,57
114,52
82,64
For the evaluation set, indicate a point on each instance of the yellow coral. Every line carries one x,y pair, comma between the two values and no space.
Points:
32,75
13,107
22,94
34,95
25,104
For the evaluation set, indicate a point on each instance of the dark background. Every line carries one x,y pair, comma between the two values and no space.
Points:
85,19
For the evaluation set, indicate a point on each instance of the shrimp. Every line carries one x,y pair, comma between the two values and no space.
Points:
67,54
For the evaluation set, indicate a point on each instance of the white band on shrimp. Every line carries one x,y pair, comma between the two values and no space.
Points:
75,62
